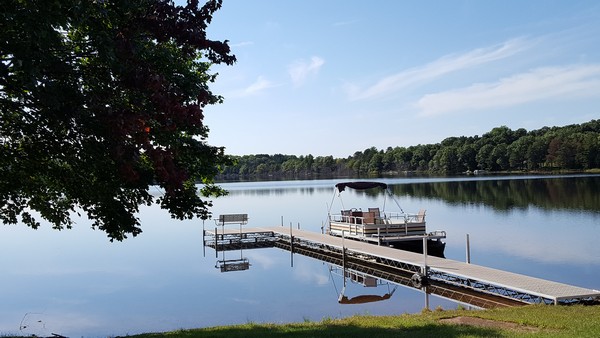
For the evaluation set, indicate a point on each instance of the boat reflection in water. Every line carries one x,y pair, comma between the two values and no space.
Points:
363,279
379,226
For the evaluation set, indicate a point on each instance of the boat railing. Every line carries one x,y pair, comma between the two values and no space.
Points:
359,220
395,217
399,218
365,224
388,218
414,218
354,224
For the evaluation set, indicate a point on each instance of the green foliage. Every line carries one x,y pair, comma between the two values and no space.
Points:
574,147
98,101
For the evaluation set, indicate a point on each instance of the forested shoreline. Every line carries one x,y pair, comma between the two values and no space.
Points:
572,147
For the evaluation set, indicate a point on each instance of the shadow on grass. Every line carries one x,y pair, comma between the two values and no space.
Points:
324,330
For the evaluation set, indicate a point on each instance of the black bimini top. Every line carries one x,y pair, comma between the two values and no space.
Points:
360,185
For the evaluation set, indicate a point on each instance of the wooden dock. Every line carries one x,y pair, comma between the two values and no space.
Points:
474,277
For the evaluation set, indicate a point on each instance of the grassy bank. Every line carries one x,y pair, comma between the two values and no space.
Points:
538,321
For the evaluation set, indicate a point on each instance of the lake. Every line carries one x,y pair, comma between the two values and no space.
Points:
76,283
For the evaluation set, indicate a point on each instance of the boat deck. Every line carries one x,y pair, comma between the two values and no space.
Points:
464,274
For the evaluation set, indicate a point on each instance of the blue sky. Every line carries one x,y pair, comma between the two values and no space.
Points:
331,77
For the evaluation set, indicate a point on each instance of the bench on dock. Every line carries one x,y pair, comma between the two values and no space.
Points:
232,219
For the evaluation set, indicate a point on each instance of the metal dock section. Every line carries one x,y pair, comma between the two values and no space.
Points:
439,272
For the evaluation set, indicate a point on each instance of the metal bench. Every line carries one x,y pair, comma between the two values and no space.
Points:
232,219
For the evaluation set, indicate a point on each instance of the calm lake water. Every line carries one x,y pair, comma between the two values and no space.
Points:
76,283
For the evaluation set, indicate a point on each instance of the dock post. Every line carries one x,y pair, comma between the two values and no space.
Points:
291,246
223,238
468,250
241,243
425,255
343,259
203,242
216,243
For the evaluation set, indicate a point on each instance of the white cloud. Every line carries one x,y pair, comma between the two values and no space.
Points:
300,70
538,84
429,72
260,85
241,44
311,275
259,258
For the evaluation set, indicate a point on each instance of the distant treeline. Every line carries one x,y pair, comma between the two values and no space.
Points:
573,147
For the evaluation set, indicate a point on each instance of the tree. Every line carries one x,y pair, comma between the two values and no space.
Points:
536,153
500,157
467,156
517,152
99,100
484,157
375,164
446,160
500,135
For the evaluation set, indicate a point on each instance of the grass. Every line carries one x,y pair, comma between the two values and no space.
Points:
527,321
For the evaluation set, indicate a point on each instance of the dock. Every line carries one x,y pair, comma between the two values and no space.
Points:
464,282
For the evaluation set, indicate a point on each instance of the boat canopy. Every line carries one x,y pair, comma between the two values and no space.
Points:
362,185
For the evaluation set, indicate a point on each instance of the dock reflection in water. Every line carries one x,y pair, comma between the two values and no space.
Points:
466,283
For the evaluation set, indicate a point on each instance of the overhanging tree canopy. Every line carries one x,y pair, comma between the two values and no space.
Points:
99,100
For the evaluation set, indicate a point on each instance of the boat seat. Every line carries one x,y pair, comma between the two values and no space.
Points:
421,216
376,215
368,217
